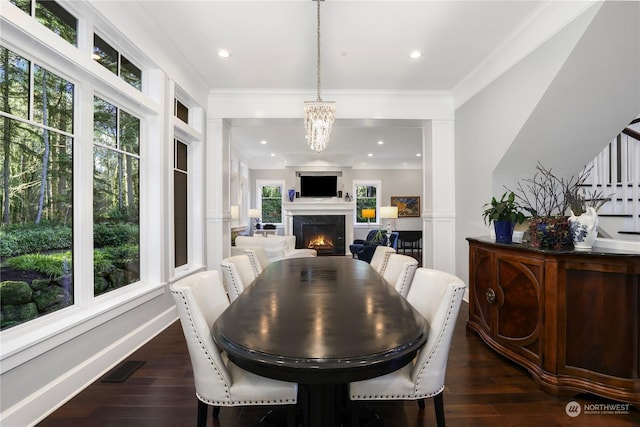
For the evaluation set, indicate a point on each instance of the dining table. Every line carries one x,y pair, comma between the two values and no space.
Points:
321,322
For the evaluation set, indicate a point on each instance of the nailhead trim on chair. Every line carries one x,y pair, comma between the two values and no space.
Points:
244,402
254,262
447,320
410,268
228,401
204,348
232,278
415,395
385,261
395,396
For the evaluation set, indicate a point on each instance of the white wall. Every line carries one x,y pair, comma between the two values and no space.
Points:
503,131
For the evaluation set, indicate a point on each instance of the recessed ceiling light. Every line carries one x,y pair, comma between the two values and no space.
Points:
380,142
415,54
222,53
263,142
370,154
418,155
273,154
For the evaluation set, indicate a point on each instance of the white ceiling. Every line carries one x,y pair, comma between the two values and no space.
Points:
365,45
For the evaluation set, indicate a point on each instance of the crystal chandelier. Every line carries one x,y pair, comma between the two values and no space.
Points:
318,115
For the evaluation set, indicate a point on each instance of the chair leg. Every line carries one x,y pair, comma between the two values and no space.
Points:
438,403
421,403
202,413
291,415
354,413
215,411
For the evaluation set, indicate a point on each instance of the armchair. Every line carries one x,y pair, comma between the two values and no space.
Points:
369,249
358,244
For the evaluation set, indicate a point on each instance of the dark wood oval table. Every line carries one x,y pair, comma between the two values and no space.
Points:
321,322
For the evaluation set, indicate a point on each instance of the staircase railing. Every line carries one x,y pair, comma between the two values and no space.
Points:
616,171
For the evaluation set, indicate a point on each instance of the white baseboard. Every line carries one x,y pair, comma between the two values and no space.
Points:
44,401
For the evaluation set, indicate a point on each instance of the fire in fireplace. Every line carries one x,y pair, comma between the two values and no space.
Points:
324,233
319,237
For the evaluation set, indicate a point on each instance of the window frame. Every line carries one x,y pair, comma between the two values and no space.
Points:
191,135
32,41
369,183
260,183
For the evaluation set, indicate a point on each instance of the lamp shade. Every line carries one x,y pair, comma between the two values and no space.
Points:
235,212
368,213
389,212
254,213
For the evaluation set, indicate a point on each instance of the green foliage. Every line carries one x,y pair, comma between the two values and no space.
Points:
120,256
271,204
51,265
365,199
115,234
102,263
507,209
15,292
29,239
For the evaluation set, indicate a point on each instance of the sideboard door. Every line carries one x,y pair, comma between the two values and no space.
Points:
482,289
521,303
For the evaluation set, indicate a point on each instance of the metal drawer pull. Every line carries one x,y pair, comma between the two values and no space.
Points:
491,296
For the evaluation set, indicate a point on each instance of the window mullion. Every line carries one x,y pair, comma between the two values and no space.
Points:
31,91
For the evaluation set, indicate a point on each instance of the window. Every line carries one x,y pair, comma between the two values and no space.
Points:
181,111
113,61
366,194
36,242
53,16
270,201
116,195
180,202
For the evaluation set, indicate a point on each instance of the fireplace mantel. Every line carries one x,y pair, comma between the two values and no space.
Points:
328,206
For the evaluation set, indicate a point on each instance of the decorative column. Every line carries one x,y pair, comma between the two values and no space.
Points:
218,179
438,183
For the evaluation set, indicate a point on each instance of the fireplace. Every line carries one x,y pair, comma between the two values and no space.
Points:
324,233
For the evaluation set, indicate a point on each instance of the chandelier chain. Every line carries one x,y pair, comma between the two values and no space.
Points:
318,115
318,51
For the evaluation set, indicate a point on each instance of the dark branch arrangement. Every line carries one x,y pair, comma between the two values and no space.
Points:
546,194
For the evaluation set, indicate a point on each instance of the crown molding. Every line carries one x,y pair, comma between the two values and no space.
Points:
546,21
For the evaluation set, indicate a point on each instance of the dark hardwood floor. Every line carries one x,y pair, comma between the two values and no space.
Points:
482,389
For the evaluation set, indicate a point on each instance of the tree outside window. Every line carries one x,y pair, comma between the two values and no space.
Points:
36,244
366,195
116,197
271,203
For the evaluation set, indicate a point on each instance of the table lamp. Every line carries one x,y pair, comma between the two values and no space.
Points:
368,214
389,212
235,212
253,214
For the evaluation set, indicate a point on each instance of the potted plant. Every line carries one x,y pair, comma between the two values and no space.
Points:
504,214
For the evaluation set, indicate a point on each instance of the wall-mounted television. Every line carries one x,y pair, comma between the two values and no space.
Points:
318,186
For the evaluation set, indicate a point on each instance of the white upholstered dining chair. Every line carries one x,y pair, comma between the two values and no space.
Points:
237,274
380,258
259,259
200,299
436,295
399,272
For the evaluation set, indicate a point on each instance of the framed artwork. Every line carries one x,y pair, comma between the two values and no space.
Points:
408,206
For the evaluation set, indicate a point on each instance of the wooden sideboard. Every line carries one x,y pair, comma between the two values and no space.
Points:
571,318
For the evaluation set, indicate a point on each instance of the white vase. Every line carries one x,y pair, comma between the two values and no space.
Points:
584,229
